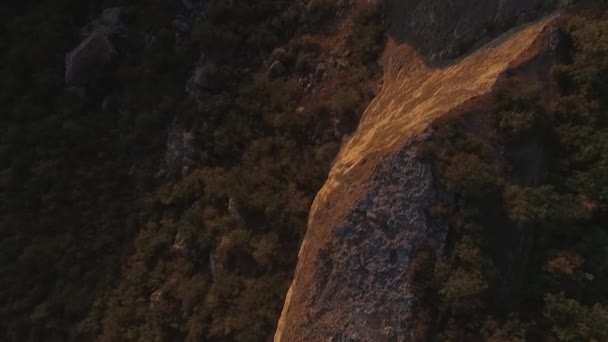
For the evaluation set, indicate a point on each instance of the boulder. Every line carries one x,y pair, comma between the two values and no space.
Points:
180,154
207,77
236,212
109,22
218,259
85,61
160,174
341,63
278,54
180,246
188,4
181,25
440,30
276,70
320,69
112,17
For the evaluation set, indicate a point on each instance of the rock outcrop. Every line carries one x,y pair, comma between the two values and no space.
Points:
446,29
97,48
180,154
85,60
109,23
368,220
276,70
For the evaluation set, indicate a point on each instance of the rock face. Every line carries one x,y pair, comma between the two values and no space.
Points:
276,70
187,13
357,287
110,23
206,77
94,52
368,220
445,29
180,152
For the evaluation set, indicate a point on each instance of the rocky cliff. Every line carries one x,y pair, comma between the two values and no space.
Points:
351,281
446,29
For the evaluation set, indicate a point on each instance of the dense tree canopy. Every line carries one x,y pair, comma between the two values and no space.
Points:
94,245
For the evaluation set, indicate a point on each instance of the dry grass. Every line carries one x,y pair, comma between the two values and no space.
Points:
414,94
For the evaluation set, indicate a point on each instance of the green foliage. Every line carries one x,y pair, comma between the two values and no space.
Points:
511,331
463,278
517,123
304,63
461,290
305,44
545,232
344,101
575,322
93,247
531,205
265,249
518,95
369,31
467,174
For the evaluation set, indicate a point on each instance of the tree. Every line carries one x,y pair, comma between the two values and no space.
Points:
573,321
467,174
529,205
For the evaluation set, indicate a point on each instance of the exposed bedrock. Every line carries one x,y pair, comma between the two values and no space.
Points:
369,218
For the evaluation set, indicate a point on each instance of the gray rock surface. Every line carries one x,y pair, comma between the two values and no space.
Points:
207,77
277,69
278,54
188,12
84,61
180,152
320,69
181,25
110,22
357,288
112,17
236,212
442,29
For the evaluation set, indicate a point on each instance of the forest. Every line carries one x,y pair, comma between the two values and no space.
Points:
526,201
97,246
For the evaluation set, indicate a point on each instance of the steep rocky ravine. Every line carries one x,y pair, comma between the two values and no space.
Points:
351,280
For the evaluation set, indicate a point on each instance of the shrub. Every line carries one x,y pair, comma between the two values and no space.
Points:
517,123
575,322
265,249
366,12
367,42
304,63
462,289
511,331
305,43
518,95
322,8
344,101
369,32
528,205
467,174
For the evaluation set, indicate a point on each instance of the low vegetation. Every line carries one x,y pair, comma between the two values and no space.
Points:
526,201
93,245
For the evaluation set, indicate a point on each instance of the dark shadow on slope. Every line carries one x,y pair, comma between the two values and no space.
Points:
443,30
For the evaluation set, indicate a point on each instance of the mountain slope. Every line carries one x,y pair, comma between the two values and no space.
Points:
351,281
